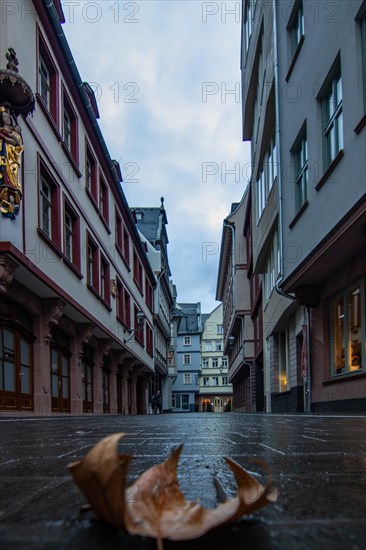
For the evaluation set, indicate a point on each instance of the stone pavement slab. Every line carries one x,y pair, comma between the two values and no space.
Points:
318,463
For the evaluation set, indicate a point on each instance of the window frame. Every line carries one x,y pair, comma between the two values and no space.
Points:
105,281
70,148
149,340
103,202
90,175
137,272
187,341
300,155
347,370
51,107
187,378
332,121
74,260
92,260
52,235
187,359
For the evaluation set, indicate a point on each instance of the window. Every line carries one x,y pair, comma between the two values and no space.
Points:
218,346
347,315
185,401
44,83
363,53
127,310
333,119
296,27
60,371
208,346
187,359
137,271
149,340
206,380
187,340
118,232
283,361
271,272
47,81
106,385
215,363
87,366
49,208
248,22
126,246
16,370
103,200
70,129
149,294
187,378
90,174
215,380
220,329
205,363
174,405
92,264
266,177
300,154
225,380
71,236
139,329
224,362
105,283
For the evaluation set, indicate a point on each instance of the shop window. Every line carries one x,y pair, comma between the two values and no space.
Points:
87,366
106,385
60,371
347,315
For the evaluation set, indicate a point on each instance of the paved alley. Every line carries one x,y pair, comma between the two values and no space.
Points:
318,463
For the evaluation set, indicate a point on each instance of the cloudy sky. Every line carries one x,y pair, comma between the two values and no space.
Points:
166,76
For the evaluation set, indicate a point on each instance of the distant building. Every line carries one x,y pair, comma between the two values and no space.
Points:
215,392
151,222
188,357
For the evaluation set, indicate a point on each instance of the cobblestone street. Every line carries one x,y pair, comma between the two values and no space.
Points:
318,463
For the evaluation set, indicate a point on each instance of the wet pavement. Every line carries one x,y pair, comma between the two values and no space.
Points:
318,464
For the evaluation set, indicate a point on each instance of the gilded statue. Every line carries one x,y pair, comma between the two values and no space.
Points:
11,148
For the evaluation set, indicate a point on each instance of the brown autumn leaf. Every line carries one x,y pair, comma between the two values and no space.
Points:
154,505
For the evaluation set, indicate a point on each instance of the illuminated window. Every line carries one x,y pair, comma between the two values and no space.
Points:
347,316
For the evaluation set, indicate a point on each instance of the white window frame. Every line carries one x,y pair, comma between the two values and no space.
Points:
187,378
187,341
187,359
332,105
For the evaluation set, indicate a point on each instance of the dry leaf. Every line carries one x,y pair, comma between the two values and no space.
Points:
154,505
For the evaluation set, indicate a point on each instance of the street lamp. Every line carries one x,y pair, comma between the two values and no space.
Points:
140,318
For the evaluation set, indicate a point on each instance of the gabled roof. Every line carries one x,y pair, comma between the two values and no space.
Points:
190,321
151,221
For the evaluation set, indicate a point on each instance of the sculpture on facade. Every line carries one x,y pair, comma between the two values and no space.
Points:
16,97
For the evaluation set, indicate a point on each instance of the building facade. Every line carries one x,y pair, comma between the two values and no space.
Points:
215,391
304,114
240,310
151,222
188,357
76,286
